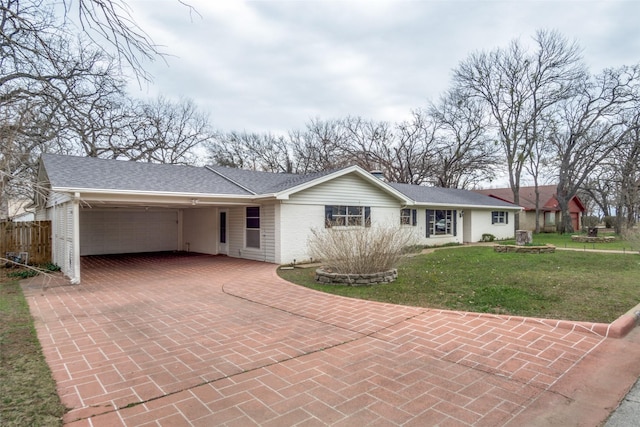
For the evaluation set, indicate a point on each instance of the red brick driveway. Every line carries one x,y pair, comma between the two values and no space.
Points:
195,340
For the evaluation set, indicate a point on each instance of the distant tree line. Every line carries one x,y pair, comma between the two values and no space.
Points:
530,112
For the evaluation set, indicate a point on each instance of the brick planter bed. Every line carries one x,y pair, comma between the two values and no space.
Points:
330,278
546,249
588,239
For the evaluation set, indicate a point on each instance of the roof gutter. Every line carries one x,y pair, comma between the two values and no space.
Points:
458,205
149,193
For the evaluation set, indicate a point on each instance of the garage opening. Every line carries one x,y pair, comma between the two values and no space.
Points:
120,231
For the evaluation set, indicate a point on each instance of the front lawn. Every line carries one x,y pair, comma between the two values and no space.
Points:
27,391
570,285
564,241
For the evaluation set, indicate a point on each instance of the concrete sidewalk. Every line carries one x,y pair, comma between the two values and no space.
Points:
628,413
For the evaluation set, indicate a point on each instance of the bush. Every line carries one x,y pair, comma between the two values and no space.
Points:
362,250
590,221
609,221
632,235
487,237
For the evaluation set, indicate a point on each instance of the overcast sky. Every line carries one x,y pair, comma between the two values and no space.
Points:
271,65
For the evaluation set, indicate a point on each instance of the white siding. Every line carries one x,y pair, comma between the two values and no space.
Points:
297,222
64,247
55,198
304,211
200,230
236,234
481,220
235,231
128,231
345,190
420,230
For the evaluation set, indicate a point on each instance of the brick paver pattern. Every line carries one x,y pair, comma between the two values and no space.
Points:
198,340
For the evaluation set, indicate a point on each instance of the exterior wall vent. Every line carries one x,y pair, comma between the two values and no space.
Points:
378,174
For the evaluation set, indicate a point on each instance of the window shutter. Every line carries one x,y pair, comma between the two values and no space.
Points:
414,217
328,216
506,217
367,216
429,214
455,223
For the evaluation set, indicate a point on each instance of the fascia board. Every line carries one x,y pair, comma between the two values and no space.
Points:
90,191
467,206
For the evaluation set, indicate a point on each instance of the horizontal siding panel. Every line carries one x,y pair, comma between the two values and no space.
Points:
346,190
125,231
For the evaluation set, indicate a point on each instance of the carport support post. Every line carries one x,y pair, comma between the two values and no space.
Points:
76,239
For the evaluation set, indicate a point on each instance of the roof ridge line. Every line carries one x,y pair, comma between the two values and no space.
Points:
230,180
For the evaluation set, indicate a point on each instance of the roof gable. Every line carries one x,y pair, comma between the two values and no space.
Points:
313,180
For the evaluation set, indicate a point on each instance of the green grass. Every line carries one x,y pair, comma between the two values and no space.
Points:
28,394
568,285
564,241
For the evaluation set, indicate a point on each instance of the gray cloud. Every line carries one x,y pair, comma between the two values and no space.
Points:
273,65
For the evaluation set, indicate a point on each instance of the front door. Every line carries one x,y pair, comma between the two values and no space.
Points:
223,235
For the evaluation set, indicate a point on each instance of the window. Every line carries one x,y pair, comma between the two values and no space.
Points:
347,216
253,227
441,223
549,218
499,217
408,217
223,227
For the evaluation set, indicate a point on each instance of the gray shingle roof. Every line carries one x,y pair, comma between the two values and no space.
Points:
107,174
452,196
94,173
266,182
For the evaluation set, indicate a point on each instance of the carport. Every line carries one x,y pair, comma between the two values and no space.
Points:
100,207
93,226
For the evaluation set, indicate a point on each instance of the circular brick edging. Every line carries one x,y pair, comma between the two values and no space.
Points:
330,278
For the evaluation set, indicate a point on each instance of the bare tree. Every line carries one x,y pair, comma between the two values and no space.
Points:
604,115
164,131
110,24
44,74
409,159
367,142
464,154
321,146
626,180
517,88
254,151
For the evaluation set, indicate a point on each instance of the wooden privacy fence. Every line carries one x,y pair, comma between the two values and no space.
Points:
32,238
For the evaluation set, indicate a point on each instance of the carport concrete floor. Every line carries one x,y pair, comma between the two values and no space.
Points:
195,340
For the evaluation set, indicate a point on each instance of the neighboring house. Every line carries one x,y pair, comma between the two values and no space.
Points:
550,215
17,210
100,206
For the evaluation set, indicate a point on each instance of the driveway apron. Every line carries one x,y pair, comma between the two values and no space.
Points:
197,340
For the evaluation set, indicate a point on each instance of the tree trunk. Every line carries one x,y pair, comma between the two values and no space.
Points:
566,224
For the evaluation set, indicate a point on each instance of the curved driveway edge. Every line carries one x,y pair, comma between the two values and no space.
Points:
200,340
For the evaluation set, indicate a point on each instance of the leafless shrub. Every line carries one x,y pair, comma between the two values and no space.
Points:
360,250
632,235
